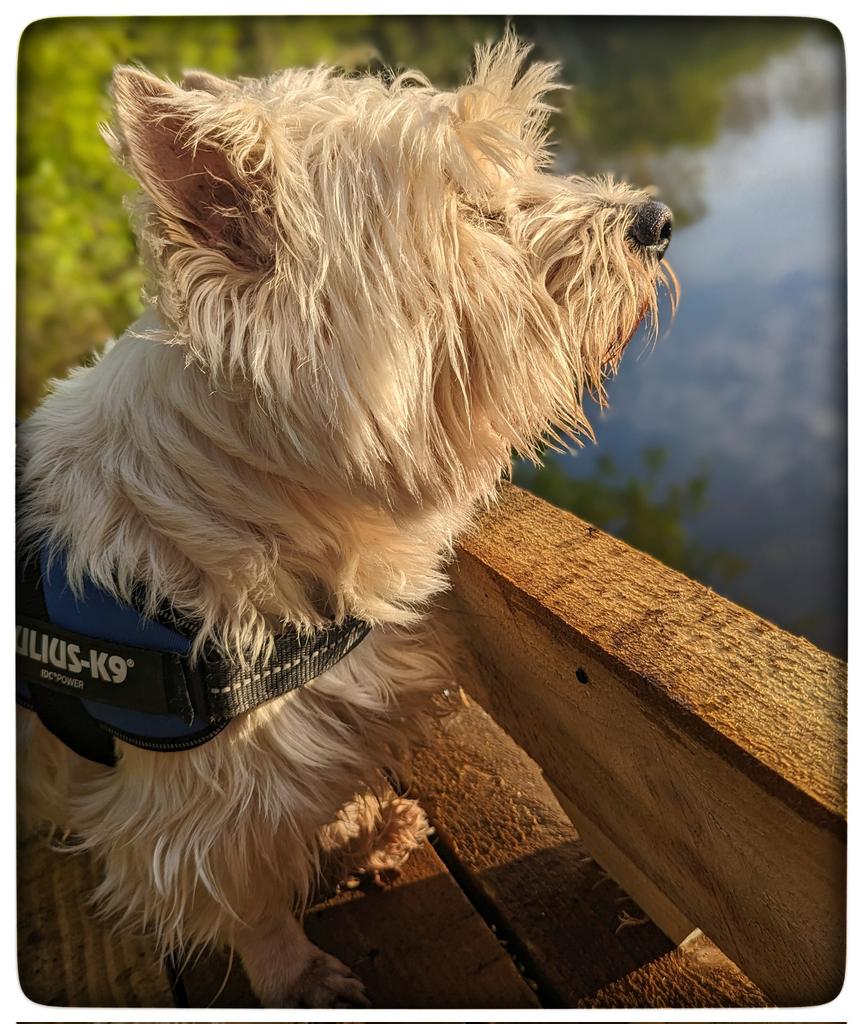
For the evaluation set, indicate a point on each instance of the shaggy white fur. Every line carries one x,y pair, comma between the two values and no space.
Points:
364,295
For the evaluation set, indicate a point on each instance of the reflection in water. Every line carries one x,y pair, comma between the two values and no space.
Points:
643,508
650,94
748,382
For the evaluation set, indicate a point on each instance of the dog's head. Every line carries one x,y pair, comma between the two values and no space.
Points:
386,269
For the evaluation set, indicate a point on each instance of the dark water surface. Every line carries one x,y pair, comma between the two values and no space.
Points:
723,450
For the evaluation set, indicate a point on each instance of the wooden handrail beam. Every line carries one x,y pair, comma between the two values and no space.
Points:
702,744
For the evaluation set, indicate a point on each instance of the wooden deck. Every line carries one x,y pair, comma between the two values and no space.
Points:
698,749
503,909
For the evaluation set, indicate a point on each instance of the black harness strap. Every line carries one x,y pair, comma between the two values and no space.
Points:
231,690
67,718
221,689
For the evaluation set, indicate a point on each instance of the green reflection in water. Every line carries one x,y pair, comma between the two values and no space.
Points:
644,509
649,94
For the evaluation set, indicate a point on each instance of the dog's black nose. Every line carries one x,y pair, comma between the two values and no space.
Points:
651,228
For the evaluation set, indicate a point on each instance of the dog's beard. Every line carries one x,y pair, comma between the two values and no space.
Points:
577,233
605,292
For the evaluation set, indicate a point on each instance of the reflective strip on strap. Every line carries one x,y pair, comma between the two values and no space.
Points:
294,661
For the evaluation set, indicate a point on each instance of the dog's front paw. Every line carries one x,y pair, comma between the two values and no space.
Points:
370,842
404,827
326,983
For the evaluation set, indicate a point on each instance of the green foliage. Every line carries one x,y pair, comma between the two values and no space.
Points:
644,509
648,84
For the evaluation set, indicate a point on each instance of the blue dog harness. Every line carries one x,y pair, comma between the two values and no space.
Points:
94,668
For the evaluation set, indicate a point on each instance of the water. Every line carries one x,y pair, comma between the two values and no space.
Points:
743,398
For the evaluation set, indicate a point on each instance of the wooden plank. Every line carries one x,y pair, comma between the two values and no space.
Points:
506,838
65,956
418,943
706,745
695,974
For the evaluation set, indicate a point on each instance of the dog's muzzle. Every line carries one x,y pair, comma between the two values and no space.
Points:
651,228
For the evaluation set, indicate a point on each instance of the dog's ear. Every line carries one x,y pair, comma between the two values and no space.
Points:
172,141
205,82
501,112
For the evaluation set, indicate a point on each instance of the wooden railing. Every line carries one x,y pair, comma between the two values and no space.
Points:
699,749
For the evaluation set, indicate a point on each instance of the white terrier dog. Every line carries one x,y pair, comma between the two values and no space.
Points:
364,296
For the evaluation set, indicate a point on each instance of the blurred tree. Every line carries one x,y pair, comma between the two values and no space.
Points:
648,87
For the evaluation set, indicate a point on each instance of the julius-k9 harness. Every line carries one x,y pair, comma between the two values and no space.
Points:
93,668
